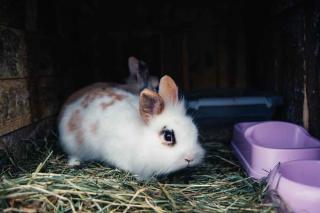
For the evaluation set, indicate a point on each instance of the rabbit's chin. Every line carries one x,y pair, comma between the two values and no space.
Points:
164,168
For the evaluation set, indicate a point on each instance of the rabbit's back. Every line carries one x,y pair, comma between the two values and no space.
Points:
95,120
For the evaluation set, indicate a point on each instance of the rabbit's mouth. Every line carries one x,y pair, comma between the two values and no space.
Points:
193,163
193,159
189,165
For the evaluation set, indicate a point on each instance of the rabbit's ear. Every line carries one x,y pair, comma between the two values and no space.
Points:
150,104
168,89
133,64
143,73
139,71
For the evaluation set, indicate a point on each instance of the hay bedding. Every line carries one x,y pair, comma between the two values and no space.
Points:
45,184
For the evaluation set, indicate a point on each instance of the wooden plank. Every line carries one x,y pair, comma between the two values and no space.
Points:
312,65
25,140
185,64
40,55
203,60
292,28
172,56
23,101
283,7
240,66
25,54
223,58
14,105
12,53
12,13
31,15
278,57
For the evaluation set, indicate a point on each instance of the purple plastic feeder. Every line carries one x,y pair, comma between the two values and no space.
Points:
298,184
261,145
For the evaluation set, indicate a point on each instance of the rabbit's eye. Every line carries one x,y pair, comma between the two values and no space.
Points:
168,136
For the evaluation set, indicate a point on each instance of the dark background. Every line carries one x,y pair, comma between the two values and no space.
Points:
50,48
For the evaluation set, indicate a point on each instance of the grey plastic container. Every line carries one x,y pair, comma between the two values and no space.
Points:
231,106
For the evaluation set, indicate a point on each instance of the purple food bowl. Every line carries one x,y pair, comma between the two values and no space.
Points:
298,185
261,145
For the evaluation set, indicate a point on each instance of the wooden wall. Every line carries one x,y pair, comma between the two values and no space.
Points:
38,61
48,49
201,46
27,66
284,57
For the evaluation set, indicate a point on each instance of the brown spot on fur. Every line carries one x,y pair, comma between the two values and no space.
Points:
99,93
117,97
94,91
74,125
106,105
75,121
79,136
90,97
94,127
80,93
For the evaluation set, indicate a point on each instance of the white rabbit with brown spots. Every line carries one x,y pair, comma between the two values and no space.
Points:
146,135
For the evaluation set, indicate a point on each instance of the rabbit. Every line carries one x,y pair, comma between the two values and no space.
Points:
139,77
148,134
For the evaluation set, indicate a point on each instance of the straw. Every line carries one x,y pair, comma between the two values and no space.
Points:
48,185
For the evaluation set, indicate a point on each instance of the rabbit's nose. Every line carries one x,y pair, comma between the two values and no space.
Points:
189,158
